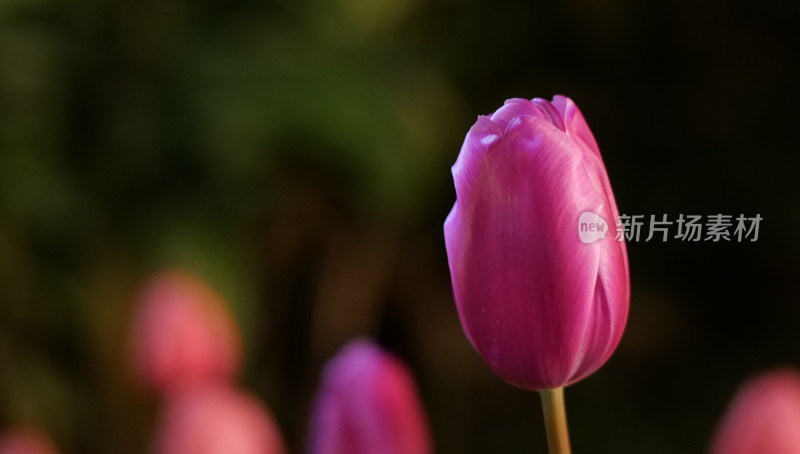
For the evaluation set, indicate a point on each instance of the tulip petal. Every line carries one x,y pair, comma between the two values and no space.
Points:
575,125
473,154
577,129
518,107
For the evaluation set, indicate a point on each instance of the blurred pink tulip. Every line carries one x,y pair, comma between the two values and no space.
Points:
26,441
367,404
183,333
215,419
763,418
541,307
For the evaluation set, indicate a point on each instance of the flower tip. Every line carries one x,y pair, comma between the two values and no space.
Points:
182,332
216,419
26,440
367,403
763,416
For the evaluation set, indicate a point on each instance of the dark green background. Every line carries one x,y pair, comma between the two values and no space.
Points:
296,155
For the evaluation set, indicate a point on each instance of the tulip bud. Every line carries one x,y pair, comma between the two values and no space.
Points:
215,419
763,418
367,403
26,441
542,308
183,333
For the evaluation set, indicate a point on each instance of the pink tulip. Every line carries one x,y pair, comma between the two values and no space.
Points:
367,403
542,308
215,419
183,333
763,418
26,441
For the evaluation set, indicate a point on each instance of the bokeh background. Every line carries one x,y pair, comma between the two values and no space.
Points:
296,154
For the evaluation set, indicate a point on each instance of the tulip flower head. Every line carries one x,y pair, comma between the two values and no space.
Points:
542,308
367,403
215,419
183,333
763,418
26,441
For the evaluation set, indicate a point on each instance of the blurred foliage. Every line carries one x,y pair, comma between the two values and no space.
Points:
296,155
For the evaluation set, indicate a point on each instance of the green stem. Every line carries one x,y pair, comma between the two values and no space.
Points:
555,420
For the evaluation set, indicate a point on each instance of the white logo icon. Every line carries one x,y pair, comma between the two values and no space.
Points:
591,227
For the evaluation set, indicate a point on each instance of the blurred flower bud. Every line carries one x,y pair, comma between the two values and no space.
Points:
26,441
367,403
543,305
183,333
215,419
763,418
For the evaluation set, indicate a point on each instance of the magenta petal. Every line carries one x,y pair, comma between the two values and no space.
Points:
575,125
541,308
577,129
552,114
513,108
482,134
367,403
